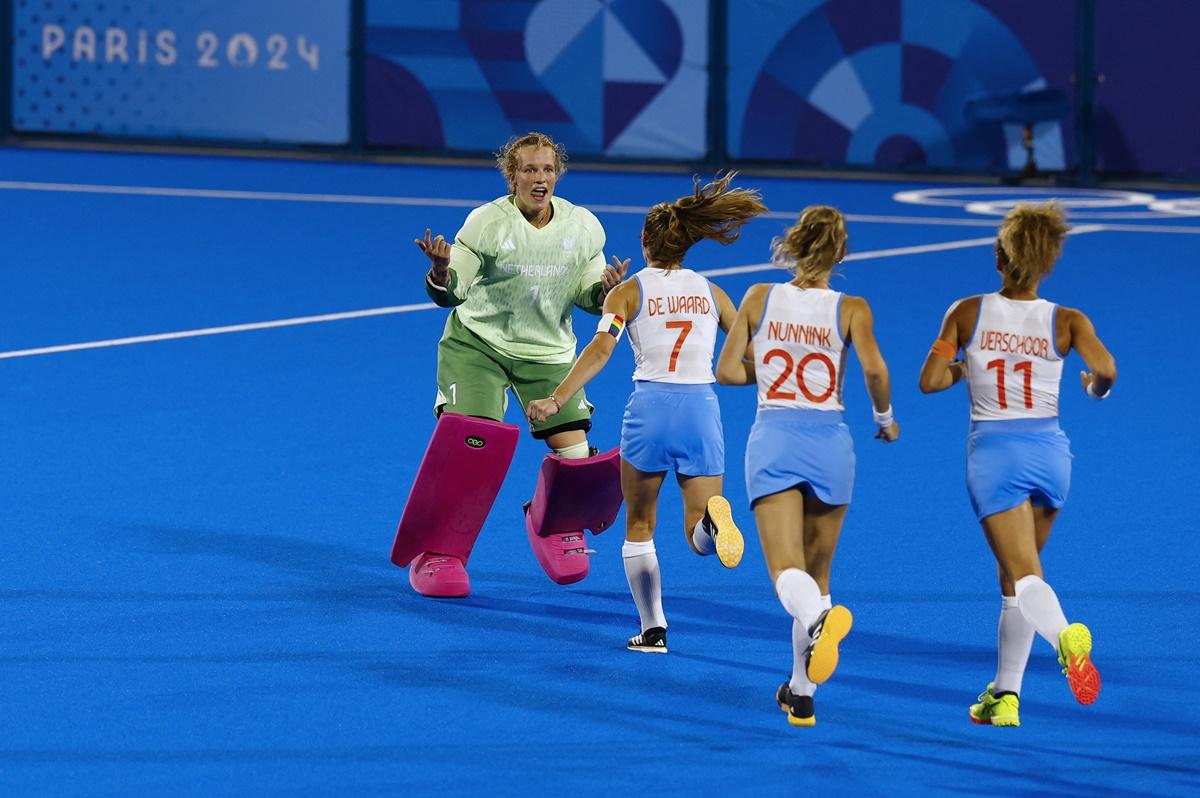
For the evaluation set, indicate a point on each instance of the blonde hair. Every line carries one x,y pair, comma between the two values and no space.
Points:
813,245
1030,241
507,158
713,211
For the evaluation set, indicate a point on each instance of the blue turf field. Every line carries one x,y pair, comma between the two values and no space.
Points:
194,577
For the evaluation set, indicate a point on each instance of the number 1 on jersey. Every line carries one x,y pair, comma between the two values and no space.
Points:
684,328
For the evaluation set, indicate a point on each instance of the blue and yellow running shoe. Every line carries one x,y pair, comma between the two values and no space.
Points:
1075,656
996,710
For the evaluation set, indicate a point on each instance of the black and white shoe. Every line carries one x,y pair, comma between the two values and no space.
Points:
653,640
799,707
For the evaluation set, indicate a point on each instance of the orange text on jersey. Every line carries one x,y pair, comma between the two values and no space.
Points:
695,304
799,333
993,341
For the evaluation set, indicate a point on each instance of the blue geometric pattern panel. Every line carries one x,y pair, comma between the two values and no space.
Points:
263,71
605,77
947,84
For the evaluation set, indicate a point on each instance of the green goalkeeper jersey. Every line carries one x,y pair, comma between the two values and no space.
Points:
514,285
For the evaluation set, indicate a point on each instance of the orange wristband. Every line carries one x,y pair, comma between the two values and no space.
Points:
945,349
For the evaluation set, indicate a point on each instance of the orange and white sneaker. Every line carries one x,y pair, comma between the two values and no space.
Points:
1075,656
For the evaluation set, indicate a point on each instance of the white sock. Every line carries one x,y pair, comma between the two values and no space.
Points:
1014,640
799,683
1040,606
576,451
702,540
801,597
799,594
645,583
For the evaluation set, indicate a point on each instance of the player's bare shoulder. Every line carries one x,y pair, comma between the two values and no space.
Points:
629,288
965,309
756,295
852,304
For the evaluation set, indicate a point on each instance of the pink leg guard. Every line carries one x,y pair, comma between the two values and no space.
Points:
450,499
571,496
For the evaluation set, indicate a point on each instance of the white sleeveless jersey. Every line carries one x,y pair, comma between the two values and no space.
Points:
674,331
1013,366
798,348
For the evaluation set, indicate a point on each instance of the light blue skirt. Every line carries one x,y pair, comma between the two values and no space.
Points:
1011,461
795,447
669,427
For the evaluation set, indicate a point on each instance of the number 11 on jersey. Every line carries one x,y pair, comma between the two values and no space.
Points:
1025,366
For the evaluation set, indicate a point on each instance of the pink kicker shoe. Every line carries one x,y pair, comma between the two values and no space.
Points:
563,556
571,496
439,576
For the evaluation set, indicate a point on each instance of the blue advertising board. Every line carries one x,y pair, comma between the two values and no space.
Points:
947,84
268,70
623,78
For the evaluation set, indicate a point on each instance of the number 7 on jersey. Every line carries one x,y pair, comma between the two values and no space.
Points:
684,328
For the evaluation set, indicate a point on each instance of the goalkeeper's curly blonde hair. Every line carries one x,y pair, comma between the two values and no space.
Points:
507,160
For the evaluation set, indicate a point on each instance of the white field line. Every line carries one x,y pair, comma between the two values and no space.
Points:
373,199
878,253
919,249
231,328
207,193
1150,228
394,309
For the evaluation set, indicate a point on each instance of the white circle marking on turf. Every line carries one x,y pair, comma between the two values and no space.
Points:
987,199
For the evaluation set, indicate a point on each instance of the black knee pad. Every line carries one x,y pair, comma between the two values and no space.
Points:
584,424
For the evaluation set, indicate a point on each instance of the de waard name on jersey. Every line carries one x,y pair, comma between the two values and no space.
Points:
691,304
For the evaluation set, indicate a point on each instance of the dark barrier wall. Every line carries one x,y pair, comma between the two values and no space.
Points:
267,70
1091,87
1147,112
624,78
899,84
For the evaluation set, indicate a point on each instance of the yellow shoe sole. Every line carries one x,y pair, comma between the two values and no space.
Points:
795,721
982,719
730,543
823,658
